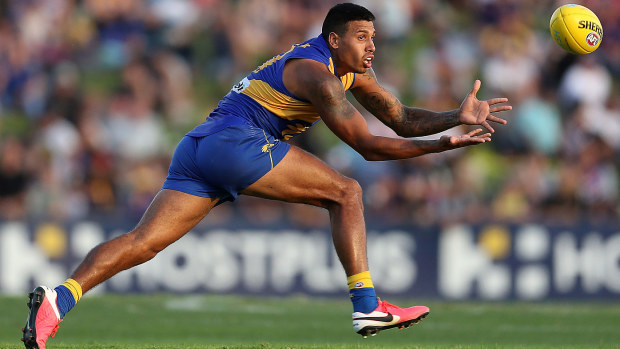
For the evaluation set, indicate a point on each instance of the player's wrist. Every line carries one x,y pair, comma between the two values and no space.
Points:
453,117
444,143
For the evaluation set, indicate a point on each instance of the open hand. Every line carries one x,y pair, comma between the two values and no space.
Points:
477,112
470,138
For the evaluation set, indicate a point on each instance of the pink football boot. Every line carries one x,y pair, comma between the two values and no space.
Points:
43,318
387,316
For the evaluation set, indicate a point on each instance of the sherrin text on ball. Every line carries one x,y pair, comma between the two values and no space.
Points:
576,29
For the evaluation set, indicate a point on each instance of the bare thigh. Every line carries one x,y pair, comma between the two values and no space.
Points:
169,217
302,178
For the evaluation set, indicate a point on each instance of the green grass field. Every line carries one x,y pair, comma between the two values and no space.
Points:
210,321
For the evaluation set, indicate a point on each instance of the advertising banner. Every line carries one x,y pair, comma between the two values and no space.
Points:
461,262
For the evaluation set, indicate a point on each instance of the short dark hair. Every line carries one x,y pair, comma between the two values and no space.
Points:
341,14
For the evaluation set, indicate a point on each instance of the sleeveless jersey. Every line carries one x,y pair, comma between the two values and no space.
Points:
262,100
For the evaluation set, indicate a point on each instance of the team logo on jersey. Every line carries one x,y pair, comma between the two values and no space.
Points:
267,147
241,85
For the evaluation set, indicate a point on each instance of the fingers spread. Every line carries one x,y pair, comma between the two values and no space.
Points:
496,119
497,100
500,108
486,125
470,138
474,132
483,138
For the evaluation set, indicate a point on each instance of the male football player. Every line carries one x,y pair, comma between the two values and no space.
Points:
241,148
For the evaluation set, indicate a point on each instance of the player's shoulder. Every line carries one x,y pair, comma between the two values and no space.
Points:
308,71
315,49
307,79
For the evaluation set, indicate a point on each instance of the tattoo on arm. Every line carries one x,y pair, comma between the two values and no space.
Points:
332,96
385,106
406,121
421,122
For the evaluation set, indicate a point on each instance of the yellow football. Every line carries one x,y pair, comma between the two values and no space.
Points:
576,29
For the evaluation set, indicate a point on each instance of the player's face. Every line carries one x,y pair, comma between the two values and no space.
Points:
354,51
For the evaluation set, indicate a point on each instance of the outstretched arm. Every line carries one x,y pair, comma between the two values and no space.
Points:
413,122
312,81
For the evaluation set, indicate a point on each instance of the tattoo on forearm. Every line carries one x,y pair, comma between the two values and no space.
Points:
384,103
406,121
422,122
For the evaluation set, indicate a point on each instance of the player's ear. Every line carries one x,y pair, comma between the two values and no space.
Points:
333,40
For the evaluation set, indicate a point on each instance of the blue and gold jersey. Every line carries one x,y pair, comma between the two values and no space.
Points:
262,100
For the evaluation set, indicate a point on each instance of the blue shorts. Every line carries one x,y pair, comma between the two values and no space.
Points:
221,164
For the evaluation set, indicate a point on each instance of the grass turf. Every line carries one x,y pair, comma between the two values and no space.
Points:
231,322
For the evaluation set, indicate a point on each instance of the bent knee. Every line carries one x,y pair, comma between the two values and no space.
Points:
347,192
143,245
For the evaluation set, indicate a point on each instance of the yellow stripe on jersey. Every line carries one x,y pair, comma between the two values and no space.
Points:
278,57
280,104
293,130
347,80
285,106
330,67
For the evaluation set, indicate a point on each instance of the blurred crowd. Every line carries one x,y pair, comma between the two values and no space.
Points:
95,94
